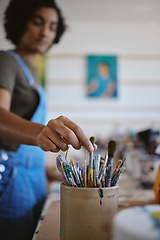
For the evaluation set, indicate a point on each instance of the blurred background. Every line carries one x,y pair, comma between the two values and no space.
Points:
129,30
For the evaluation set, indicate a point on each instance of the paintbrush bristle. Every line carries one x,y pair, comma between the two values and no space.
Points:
72,162
92,140
119,163
112,145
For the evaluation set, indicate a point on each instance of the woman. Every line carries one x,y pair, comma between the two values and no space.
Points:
32,26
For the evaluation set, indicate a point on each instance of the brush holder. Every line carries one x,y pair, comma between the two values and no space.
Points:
87,213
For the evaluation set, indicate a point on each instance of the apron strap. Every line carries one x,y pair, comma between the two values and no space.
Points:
27,73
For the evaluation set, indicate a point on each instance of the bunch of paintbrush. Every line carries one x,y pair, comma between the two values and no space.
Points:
72,174
97,174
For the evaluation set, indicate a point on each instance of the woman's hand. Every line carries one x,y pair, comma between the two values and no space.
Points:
61,132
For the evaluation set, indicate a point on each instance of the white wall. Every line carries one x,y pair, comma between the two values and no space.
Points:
138,104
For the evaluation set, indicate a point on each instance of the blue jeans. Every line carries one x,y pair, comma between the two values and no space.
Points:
22,194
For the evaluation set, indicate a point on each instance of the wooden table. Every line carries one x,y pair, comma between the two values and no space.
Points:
50,228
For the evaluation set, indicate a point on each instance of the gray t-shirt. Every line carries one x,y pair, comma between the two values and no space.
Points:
24,99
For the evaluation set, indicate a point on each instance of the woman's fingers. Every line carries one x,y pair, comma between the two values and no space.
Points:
46,144
95,147
71,132
55,138
61,132
58,126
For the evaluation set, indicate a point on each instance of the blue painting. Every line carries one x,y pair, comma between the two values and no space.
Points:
102,76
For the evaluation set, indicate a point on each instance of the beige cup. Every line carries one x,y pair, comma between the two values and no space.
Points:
85,214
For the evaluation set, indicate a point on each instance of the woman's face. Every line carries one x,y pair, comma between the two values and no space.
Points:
40,31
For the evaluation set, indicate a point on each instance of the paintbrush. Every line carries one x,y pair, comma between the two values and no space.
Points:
81,178
69,173
117,176
111,151
75,174
90,169
98,182
123,162
102,170
94,171
79,175
59,161
85,173
97,164
119,163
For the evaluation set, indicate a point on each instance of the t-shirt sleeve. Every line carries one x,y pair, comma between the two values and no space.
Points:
8,71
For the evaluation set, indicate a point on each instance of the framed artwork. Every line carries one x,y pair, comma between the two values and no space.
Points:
102,76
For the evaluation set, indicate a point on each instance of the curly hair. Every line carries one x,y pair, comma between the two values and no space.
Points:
19,12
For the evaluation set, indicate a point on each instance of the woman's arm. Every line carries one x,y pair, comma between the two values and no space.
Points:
56,135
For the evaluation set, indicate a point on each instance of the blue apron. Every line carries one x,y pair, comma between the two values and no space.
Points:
23,186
